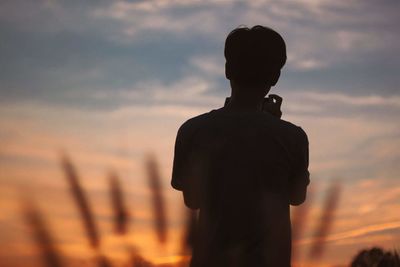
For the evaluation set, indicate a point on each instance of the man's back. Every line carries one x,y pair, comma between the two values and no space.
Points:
242,170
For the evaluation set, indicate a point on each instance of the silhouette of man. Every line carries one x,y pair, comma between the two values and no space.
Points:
241,165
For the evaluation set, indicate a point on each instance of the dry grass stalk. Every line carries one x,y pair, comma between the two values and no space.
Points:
121,215
41,235
158,200
299,220
102,261
376,257
81,201
189,237
139,261
326,221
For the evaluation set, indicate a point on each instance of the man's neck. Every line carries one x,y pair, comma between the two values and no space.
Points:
246,99
244,104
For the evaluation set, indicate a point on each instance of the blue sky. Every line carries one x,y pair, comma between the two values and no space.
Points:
68,52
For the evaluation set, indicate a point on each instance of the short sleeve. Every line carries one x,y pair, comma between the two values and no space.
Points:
180,157
302,172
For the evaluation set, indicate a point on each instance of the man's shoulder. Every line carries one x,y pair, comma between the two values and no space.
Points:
282,127
192,124
291,129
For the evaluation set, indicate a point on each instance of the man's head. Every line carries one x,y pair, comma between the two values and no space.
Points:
254,56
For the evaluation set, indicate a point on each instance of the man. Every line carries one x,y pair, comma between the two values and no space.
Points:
241,165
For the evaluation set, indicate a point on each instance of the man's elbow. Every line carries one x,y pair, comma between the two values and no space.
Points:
176,185
296,201
298,190
190,202
191,205
298,198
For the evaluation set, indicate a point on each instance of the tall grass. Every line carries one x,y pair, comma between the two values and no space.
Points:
376,257
81,201
121,214
299,221
190,230
154,181
326,221
121,217
189,236
41,234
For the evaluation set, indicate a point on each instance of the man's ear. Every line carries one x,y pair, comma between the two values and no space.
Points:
228,71
275,77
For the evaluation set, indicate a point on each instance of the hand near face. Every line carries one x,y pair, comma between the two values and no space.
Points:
272,104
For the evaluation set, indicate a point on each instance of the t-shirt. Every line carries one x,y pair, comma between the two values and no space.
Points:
242,170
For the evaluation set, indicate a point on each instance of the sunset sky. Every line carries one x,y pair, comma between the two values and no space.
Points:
110,82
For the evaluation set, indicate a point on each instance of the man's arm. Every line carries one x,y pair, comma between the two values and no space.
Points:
301,176
182,170
178,168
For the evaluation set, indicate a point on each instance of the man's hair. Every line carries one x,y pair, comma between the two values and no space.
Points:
252,55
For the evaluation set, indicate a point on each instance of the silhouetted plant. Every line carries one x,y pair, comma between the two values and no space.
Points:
41,234
190,230
157,198
376,257
121,220
121,214
189,236
102,261
299,221
81,201
325,222
138,261
86,213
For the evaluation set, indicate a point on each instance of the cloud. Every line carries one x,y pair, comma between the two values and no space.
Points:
212,65
59,51
360,232
338,98
337,104
162,16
